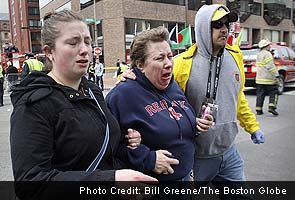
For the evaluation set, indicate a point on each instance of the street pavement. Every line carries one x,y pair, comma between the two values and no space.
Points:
272,161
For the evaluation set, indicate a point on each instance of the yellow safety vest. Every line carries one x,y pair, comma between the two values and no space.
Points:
1,70
34,64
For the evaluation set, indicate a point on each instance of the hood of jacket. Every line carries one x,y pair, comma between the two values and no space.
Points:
203,29
36,86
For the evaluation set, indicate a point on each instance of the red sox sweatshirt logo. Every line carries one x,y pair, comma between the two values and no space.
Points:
157,107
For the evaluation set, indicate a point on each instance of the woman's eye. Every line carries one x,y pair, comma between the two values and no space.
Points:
72,43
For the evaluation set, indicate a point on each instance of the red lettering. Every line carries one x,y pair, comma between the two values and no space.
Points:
150,110
174,103
182,104
156,106
163,104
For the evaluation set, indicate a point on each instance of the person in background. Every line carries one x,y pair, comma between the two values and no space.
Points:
99,73
1,85
60,122
31,64
12,75
122,68
91,72
267,77
154,105
118,66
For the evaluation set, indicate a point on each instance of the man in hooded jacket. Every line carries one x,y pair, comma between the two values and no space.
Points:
211,72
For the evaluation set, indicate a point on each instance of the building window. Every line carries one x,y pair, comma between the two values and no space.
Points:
134,26
174,2
197,4
36,48
255,8
65,6
5,26
6,36
35,23
36,36
287,13
34,11
275,11
244,8
33,1
272,35
245,36
98,31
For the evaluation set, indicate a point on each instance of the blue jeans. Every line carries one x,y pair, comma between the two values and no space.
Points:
226,170
226,167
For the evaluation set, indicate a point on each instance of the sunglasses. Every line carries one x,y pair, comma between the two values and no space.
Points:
219,24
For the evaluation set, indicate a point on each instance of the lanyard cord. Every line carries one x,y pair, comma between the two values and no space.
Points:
216,81
103,149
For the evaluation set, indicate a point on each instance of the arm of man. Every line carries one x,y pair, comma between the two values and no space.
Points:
270,65
244,114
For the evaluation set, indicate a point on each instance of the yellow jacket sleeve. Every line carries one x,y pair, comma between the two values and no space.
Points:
244,114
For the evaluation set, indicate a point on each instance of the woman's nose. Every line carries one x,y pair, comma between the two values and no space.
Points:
168,62
84,48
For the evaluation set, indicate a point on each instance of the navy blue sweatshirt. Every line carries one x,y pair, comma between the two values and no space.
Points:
163,117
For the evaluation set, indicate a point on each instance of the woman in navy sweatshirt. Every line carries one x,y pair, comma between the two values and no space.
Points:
154,105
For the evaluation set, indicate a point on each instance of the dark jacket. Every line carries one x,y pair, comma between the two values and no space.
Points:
57,131
164,119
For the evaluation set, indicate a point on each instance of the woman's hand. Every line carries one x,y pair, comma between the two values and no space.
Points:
127,178
126,74
164,162
131,175
133,137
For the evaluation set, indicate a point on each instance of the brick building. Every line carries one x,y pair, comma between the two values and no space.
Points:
118,20
25,25
4,31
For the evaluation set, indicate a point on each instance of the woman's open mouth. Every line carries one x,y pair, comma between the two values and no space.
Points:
83,62
166,75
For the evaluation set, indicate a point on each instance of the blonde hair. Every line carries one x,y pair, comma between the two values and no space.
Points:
139,45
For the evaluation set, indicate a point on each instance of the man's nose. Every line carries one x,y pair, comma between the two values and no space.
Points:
224,28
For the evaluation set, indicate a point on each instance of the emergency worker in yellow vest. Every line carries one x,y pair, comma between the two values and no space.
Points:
123,67
31,64
266,79
91,73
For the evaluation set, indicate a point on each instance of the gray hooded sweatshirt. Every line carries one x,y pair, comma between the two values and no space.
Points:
220,137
